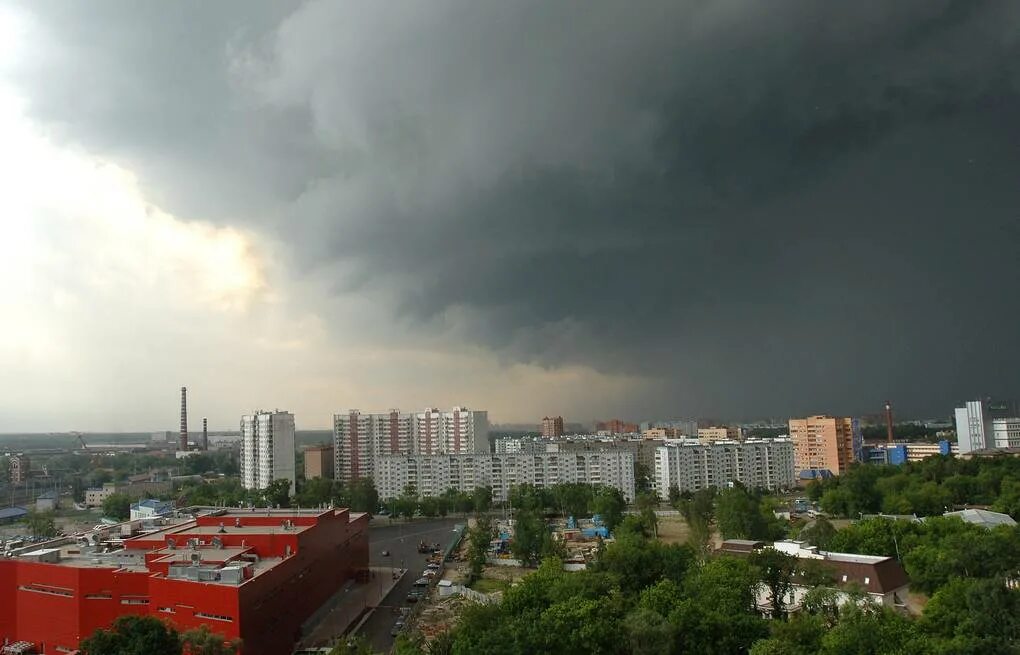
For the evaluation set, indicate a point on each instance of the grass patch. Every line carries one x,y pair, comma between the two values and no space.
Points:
488,585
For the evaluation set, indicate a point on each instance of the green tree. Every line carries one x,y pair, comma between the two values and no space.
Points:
609,504
776,570
117,506
363,495
983,613
482,499
277,494
646,504
41,524
739,515
203,641
478,546
674,495
134,635
819,533
531,540
698,511
315,492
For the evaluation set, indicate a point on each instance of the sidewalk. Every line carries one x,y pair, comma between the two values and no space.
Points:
348,605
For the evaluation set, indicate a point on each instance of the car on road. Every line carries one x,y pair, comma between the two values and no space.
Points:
415,595
398,627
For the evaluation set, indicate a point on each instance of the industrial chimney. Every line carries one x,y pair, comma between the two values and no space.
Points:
205,433
183,444
888,422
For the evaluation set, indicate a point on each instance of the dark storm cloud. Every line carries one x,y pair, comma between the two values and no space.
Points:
776,207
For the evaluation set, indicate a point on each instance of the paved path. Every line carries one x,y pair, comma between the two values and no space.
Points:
401,540
348,606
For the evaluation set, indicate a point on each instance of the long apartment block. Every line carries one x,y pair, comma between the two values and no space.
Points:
431,475
359,440
690,466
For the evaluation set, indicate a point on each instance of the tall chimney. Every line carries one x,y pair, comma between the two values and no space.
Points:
205,433
888,422
183,444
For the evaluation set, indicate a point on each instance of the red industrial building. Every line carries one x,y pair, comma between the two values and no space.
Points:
257,575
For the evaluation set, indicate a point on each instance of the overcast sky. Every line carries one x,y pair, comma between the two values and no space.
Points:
732,208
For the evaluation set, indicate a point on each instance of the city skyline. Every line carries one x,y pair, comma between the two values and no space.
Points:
728,209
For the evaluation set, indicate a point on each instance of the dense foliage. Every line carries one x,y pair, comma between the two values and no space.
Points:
924,488
644,597
937,550
146,635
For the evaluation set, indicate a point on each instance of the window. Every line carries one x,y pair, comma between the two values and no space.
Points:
844,578
867,580
214,617
43,589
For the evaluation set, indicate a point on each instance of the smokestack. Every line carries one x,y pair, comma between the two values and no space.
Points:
888,422
183,444
205,434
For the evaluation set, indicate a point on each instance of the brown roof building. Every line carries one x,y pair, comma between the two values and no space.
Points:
881,580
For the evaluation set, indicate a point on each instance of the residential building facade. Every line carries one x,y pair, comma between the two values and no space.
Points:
825,445
552,426
689,466
719,433
1006,432
319,462
360,439
431,475
267,449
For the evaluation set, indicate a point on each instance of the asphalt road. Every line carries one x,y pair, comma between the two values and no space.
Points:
401,540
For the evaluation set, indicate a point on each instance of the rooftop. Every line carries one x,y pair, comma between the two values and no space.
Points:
983,517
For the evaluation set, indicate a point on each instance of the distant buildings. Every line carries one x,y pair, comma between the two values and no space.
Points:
151,508
758,464
267,449
616,426
825,445
974,426
431,475
318,462
552,426
902,453
360,439
1006,432
719,433
18,465
981,424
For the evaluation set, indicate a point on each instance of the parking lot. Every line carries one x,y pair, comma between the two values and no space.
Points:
401,540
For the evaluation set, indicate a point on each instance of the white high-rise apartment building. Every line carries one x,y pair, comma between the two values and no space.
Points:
974,426
431,475
359,440
759,464
267,449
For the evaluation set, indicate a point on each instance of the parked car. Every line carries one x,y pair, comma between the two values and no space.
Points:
398,627
415,595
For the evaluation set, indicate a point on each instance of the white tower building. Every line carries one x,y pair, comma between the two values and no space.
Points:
267,449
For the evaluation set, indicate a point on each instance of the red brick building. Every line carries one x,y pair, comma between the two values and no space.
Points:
257,575
616,426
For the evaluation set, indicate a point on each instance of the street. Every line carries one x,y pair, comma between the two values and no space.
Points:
401,540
